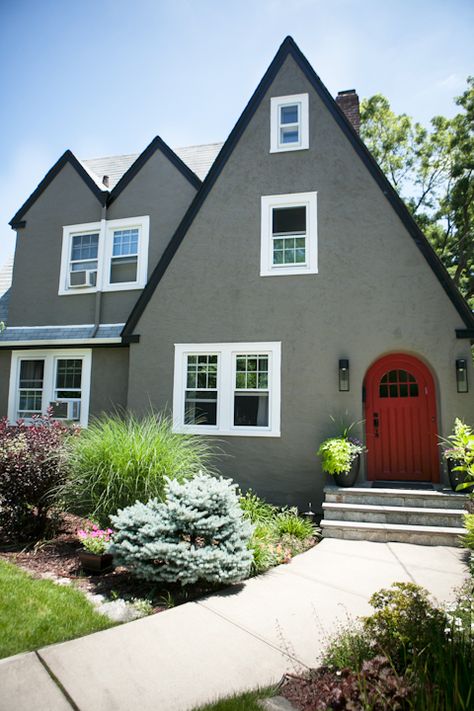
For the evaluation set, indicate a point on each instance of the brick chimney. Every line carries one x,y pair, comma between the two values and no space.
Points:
348,101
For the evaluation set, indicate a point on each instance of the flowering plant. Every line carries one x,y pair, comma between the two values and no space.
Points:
94,539
459,448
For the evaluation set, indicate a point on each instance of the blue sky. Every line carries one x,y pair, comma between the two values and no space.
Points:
105,76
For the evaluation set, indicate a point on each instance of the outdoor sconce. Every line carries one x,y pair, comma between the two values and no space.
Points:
461,376
344,375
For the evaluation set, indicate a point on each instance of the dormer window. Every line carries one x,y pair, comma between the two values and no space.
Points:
111,255
289,123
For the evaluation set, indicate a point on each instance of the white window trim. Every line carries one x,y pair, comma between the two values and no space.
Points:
276,103
105,228
268,202
226,353
50,357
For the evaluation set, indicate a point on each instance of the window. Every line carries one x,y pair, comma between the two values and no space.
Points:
288,234
111,255
289,123
123,267
200,400
398,383
227,388
83,261
251,391
60,379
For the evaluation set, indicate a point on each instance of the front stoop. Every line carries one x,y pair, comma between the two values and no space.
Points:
430,518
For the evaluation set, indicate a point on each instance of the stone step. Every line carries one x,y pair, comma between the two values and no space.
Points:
408,515
393,532
396,497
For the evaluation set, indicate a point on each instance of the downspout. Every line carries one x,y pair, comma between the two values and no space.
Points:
100,261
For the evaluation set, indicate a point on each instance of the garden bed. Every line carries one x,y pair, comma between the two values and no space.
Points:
57,559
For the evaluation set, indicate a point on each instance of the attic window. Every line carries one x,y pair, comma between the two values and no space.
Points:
289,123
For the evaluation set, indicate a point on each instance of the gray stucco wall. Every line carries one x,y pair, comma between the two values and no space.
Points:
5,359
374,294
109,380
158,190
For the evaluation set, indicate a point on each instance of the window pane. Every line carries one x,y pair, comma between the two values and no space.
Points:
202,372
30,402
289,114
289,220
125,242
31,373
123,269
69,374
84,247
251,410
200,407
289,135
81,266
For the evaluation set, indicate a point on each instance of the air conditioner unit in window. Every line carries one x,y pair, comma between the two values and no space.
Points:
82,278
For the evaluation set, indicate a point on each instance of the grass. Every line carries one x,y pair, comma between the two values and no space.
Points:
34,613
119,460
241,702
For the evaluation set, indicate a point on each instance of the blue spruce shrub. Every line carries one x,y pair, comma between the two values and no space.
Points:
198,535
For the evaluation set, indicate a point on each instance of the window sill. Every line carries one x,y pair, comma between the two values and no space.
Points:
93,290
291,271
236,432
286,149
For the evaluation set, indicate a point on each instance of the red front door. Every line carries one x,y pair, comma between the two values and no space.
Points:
400,414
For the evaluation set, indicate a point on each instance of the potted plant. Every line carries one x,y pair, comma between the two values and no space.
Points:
340,457
95,542
459,455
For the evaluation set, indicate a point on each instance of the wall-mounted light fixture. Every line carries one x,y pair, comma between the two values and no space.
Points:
344,384
461,376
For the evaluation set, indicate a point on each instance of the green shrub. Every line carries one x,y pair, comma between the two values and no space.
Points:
404,623
338,453
279,534
350,647
120,460
255,509
199,535
288,522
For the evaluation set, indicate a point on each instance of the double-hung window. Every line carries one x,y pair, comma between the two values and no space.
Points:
289,130
288,234
111,255
56,379
83,262
227,388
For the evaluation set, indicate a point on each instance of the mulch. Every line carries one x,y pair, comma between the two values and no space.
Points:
58,558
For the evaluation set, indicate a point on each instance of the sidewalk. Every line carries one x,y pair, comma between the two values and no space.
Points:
226,643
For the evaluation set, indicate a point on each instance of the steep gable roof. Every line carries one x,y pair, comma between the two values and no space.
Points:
124,171
289,48
67,157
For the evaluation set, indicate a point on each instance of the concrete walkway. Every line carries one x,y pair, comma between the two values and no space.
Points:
236,640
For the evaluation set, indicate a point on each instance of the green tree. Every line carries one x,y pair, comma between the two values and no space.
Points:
433,172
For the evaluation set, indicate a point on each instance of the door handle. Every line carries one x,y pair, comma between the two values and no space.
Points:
376,424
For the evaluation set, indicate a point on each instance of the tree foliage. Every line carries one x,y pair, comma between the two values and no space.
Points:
433,171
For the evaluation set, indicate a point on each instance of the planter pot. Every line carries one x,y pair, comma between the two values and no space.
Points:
456,478
348,478
95,562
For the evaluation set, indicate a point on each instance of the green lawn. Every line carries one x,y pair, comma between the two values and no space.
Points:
242,702
34,613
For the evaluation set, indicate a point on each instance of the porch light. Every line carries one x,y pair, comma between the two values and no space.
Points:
461,376
344,375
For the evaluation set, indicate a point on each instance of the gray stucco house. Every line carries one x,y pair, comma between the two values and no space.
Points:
252,289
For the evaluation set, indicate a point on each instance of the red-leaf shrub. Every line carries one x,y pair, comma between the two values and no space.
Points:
33,462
